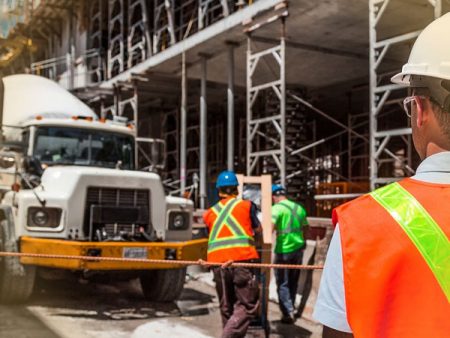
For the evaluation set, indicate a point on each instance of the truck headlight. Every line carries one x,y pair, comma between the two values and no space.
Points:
44,217
40,218
178,221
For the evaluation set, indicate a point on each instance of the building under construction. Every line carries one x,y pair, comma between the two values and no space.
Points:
296,89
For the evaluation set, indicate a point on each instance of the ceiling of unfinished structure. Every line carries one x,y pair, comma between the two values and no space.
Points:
327,44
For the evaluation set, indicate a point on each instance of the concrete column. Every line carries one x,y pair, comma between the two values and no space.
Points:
203,134
183,122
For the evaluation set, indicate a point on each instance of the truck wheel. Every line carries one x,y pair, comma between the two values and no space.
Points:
16,280
163,285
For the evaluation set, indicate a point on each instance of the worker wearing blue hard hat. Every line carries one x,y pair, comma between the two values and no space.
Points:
288,220
227,178
232,224
278,189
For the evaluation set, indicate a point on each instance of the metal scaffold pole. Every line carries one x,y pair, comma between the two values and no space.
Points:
282,95
257,126
183,123
230,100
203,133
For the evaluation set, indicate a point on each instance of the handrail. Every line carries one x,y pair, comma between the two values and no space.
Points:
59,69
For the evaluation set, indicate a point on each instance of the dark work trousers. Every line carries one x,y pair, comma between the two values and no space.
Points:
287,280
238,293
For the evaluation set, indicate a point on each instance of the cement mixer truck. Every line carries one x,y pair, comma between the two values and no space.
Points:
69,185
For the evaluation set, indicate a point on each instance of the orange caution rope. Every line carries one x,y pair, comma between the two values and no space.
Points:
167,261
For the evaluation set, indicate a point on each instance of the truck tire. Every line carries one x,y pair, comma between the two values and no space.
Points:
16,280
163,285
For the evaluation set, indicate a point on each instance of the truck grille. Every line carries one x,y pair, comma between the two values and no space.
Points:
115,211
117,197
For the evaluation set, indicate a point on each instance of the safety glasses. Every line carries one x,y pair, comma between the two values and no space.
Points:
407,103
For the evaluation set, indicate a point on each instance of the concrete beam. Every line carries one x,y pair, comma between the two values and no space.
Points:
204,35
312,48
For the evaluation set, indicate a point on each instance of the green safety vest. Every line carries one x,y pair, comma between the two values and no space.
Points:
289,218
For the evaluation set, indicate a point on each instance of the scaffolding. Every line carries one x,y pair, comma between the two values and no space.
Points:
124,38
116,37
163,25
385,97
138,42
357,148
276,150
95,40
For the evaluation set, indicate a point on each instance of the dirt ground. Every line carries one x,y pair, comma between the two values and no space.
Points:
78,309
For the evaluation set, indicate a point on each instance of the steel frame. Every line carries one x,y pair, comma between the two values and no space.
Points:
209,6
358,154
170,136
163,23
380,93
95,38
139,42
278,121
116,29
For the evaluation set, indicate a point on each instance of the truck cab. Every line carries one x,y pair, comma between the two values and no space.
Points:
70,185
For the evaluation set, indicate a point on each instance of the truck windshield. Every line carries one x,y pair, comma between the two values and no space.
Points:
86,147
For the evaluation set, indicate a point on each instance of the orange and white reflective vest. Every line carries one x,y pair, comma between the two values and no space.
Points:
396,259
230,231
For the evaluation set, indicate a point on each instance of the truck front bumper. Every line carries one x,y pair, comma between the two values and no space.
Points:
187,250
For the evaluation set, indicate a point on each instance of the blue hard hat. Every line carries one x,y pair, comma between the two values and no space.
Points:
278,189
227,179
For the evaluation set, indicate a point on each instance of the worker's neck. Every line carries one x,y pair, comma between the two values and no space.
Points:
434,148
226,196
281,198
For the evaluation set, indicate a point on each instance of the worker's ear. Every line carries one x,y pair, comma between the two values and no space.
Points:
423,111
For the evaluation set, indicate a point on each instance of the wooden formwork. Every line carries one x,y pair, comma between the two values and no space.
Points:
265,182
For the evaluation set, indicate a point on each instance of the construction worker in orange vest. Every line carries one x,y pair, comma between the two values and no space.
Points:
387,272
232,224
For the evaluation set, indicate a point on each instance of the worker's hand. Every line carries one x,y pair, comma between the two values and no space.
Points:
226,264
201,262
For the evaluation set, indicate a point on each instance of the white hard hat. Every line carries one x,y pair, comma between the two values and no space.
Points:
430,55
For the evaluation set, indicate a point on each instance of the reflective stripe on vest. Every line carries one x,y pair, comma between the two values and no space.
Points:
225,218
422,230
289,228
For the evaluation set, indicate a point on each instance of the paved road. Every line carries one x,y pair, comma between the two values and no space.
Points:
74,309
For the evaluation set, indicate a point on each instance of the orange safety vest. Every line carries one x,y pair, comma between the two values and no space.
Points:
396,258
230,231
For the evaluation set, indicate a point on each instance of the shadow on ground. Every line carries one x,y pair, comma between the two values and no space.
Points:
279,330
17,321
110,301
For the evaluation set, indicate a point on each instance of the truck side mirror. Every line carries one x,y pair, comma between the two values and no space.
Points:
158,154
7,160
32,165
151,153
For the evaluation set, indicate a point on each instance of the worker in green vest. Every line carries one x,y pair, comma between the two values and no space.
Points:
288,220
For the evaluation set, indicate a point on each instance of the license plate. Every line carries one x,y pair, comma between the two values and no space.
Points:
134,253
